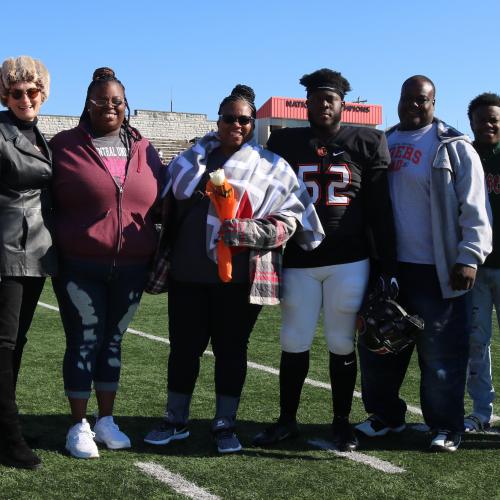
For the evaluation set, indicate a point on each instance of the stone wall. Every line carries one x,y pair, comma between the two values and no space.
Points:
167,125
50,125
151,124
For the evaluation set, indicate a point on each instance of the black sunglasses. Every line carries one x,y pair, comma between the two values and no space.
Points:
242,120
18,93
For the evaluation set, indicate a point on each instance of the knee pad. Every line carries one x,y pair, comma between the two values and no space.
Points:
293,341
341,344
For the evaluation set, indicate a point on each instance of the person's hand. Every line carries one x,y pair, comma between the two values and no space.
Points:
462,277
229,232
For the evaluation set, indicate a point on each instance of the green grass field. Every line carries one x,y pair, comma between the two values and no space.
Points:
292,470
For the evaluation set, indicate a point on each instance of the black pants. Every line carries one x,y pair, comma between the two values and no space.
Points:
199,313
18,300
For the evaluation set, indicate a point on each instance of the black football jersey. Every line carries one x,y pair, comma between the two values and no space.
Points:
341,177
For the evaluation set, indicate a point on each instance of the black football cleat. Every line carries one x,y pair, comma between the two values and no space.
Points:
344,437
275,433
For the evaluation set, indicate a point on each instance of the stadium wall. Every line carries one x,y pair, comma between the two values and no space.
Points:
152,124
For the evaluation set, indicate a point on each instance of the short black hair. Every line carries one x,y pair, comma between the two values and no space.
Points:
484,99
326,79
421,78
241,93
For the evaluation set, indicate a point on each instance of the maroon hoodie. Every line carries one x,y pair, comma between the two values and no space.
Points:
96,219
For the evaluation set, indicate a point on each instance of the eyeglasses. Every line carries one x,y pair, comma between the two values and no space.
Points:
101,102
242,120
19,93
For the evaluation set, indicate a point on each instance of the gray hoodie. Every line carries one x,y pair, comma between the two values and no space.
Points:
460,210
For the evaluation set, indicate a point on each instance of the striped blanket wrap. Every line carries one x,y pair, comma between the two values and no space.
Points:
265,187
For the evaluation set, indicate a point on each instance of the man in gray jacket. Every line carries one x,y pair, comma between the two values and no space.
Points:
443,233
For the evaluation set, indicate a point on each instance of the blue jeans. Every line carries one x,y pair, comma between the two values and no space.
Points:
442,350
485,294
97,303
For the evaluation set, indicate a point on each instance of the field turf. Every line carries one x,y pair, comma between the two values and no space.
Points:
293,470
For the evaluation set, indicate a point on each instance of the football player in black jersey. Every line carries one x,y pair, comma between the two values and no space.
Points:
345,171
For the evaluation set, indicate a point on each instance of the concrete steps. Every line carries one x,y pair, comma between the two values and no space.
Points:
169,148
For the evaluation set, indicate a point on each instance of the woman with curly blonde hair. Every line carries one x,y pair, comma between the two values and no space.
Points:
26,251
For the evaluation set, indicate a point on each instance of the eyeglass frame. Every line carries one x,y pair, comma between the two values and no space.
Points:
20,93
108,101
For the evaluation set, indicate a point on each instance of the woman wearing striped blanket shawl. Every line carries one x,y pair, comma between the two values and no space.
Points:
271,206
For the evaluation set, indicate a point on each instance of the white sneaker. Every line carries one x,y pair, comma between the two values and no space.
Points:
80,441
107,432
445,441
373,427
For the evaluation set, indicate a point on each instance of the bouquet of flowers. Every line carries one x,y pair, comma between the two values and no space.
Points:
221,194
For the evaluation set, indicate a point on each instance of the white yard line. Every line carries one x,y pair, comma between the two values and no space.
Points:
48,306
175,481
268,369
355,456
151,337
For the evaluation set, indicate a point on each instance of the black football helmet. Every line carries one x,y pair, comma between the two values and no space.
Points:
385,327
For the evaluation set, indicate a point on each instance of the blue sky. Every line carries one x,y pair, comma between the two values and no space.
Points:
199,50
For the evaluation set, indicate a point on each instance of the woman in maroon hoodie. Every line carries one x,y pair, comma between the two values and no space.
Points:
105,187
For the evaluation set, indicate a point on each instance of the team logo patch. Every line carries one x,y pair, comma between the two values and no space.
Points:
321,151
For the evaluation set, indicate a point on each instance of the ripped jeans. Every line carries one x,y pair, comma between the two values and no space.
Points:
485,294
442,349
97,302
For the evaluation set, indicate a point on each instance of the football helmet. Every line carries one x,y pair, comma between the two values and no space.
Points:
385,327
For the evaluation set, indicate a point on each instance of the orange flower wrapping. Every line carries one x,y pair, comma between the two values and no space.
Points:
222,196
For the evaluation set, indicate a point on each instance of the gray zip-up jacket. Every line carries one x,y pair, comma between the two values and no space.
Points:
460,210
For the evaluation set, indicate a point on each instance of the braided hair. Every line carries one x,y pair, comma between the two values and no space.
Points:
103,75
241,93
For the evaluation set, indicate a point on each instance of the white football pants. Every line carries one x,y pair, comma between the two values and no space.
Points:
339,289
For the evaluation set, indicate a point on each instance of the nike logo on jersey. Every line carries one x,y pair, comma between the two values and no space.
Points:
338,153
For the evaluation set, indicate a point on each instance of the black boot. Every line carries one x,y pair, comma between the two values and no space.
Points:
13,448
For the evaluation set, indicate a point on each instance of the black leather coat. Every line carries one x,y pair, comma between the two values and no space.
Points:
26,247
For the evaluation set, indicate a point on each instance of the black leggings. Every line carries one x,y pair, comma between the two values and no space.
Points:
18,300
199,313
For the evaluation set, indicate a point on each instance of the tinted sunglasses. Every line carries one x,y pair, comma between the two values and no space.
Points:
242,120
18,93
100,103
